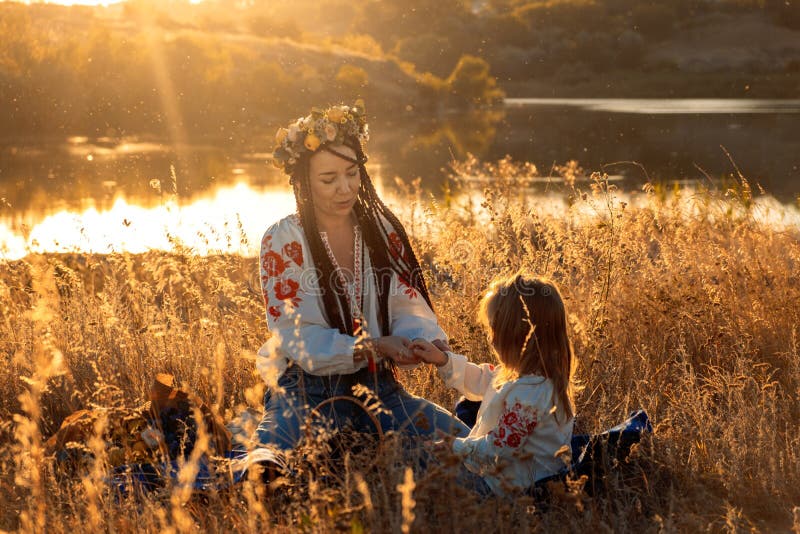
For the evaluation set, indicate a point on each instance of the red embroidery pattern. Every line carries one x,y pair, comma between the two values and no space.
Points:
294,251
407,289
515,423
273,263
396,246
286,289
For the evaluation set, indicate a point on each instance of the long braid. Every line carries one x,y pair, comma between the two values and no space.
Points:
334,300
379,256
406,265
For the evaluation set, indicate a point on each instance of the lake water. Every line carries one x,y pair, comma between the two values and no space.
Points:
683,140
115,194
674,106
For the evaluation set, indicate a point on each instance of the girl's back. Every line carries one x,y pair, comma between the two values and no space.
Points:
524,425
518,438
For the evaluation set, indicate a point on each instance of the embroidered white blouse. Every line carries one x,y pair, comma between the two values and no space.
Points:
298,329
517,438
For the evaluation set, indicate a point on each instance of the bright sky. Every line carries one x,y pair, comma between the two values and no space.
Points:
83,2
75,2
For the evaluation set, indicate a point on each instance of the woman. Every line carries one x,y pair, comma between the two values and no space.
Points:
344,292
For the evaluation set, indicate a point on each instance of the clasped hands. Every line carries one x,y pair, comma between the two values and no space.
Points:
404,351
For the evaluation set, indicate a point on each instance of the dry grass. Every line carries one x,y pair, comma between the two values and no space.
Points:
690,314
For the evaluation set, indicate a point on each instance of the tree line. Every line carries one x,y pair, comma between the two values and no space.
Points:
68,70
227,66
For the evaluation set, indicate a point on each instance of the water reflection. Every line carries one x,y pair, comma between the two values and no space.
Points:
233,219
128,193
669,140
672,106
49,175
672,140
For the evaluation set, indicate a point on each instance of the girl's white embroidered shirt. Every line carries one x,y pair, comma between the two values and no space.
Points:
298,328
517,439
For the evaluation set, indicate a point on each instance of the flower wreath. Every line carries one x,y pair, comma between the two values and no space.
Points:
308,133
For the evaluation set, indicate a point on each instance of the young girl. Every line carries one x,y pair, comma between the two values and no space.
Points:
524,424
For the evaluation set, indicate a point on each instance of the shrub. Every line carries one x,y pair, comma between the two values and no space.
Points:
429,52
361,42
471,84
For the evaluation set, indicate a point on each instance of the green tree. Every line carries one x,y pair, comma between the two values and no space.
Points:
471,84
506,29
272,27
391,20
429,52
567,15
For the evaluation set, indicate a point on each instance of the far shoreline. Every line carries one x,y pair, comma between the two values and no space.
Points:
630,84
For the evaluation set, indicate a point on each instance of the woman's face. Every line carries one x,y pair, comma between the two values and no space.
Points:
334,183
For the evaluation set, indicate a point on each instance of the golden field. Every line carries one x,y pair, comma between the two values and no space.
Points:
685,304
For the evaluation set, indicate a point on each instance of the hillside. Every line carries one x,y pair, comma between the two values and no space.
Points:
96,72
714,55
720,42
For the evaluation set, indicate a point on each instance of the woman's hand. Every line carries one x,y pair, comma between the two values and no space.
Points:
397,348
442,345
427,352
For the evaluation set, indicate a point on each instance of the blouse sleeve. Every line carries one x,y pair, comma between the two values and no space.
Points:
518,419
298,328
470,379
410,314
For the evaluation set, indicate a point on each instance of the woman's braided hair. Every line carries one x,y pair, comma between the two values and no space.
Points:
371,214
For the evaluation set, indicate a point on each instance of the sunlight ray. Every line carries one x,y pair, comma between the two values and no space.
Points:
167,94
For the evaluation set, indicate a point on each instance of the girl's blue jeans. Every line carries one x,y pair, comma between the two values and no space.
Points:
287,409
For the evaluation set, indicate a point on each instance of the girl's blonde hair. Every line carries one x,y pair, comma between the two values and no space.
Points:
527,325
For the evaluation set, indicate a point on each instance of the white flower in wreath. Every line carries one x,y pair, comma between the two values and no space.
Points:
330,132
294,131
